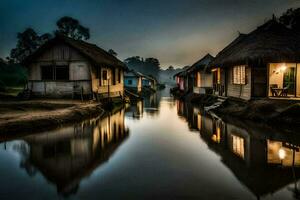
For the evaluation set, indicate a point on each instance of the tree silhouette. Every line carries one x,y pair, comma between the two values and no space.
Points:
291,19
149,66
71,27
28,42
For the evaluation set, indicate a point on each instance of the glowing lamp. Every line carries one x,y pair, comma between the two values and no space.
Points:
281,154
283,68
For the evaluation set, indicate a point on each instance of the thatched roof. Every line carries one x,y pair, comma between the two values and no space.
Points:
91,51
201,64
182,72
271,42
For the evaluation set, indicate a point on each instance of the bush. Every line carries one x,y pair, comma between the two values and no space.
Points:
12,75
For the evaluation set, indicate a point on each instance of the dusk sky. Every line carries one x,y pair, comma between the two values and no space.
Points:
177,32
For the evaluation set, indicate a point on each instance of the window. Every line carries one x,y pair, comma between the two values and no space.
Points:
62,72
129,82
239,75
104,75
51,73
47,72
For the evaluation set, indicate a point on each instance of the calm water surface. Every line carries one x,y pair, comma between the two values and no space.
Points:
156,149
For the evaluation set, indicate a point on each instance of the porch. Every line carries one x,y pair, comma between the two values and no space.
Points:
111,91
284,81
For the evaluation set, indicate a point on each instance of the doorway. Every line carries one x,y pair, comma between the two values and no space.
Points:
289,81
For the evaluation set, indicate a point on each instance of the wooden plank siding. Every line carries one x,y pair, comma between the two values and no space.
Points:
259,82
81,70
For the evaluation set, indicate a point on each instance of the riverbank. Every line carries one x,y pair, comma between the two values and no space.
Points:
280,113
283,114
40,115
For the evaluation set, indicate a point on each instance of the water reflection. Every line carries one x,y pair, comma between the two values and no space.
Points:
66,156
149,105
261,158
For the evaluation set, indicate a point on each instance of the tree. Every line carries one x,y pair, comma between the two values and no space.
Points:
112,52
71,27
149,66
171,68
291,19
28,42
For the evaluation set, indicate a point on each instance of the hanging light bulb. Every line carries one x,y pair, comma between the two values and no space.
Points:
281,153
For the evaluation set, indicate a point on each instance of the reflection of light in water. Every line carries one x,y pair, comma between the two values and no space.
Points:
199,121
238,146
217,136
281,153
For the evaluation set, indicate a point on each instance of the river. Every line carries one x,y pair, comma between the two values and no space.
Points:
160,148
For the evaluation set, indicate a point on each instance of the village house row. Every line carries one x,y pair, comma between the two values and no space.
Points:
64,67
263,63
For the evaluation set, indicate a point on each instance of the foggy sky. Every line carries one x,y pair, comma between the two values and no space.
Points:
177,32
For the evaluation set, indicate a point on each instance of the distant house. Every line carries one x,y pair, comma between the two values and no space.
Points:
64,67
149,82
133,81
182,81
262,63
201,75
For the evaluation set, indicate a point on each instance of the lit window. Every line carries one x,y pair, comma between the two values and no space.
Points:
239,75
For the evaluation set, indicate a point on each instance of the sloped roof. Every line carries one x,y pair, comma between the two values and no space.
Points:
201,64
183,71
149,78
271,42
91,51
135,73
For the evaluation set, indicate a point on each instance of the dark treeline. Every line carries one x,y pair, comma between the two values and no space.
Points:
147,66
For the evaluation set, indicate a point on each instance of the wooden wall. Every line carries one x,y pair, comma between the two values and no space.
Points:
259,82
206,80
61,54
80,68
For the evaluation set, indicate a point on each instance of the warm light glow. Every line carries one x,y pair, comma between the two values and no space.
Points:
281,153
217,136
283,68
238,146
199,123
280,69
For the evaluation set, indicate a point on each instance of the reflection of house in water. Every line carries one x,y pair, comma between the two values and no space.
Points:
181,110
151,104
262,164
135,110
67,155
264,161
